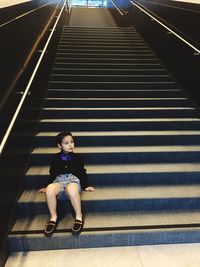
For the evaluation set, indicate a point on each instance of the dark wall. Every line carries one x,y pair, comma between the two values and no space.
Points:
18,39
184,19
19,43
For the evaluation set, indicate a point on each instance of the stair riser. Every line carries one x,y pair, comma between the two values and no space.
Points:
116,205
129,56
147,140
113,85
109,94
116,103
128,158
116,126
107,71
132,44
110,37
106,60
108,65
136,238
69,35
133,179
104,51
121,114
114,78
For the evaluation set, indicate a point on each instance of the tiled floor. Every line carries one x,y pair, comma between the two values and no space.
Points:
186,255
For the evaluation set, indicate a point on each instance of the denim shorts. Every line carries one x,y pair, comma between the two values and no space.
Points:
64,180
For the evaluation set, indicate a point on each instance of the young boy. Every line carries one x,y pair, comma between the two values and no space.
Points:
67,178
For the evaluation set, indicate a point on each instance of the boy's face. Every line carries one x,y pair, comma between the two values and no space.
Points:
67,144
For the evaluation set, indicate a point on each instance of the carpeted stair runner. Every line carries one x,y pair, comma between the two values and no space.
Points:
140,136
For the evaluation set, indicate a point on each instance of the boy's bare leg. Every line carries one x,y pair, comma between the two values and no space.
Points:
52,191
75,198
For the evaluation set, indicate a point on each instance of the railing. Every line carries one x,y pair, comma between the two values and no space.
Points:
68,5
195,49
24,14
118,9
26,91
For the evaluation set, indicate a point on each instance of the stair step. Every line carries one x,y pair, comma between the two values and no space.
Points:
104,239
121,113
92,49
108,229
105,65
126,174
108,221
113,85
83,93
105,71
135,43
118,199
95,29
117,102
121,38
126,55
104,46
116,60
103,33
116,124
111,78
124,138
125,155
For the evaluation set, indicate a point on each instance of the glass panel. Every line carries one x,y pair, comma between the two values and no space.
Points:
89,3
79,2
96,3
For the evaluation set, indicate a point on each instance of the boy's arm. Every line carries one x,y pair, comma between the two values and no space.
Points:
83,177
53,168
51,174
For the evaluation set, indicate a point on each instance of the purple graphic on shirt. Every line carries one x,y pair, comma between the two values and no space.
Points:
65,157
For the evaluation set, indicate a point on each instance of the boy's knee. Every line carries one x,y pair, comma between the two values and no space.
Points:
51,189
72,190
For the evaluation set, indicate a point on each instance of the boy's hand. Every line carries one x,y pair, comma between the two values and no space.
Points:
89,189
42,190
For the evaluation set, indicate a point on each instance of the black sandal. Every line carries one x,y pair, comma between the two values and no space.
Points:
50,228
77,227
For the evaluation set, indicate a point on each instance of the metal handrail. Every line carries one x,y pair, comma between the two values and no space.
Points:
24,14
68,6
118,9
166,27
5,138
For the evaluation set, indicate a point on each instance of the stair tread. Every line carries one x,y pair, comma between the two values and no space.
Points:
124,120
127,168
122,149
124,133
106,220
116,108
125,193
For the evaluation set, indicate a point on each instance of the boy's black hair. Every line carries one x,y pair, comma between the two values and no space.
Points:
61,136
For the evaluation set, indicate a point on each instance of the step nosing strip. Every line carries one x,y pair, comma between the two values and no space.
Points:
118,99
125,133
124,120
120,108
122,228
108,69
112,82
110,75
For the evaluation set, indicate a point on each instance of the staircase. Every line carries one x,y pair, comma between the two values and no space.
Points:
140,137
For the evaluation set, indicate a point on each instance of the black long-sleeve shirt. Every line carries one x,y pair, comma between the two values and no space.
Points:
62,163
